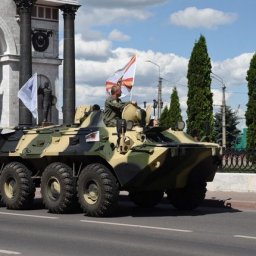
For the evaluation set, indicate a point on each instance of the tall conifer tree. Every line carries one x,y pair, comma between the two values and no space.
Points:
251,105
200,102
174,110
231,126
164,118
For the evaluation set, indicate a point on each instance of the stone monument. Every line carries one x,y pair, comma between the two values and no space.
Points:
45,52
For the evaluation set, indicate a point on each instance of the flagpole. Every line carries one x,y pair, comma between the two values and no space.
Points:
37,98
135,66
131,96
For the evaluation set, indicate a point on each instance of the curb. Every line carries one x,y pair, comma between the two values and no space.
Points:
241,204
233,190
229,203
233,182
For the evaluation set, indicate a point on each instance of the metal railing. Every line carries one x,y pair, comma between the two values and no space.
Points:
238,161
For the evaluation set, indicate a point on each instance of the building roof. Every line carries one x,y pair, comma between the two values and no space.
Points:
57,2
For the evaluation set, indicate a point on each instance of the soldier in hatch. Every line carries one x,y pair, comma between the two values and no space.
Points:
114,106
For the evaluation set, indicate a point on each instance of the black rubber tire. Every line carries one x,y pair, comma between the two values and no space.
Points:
16,186
98,190
58,188
146,198
187,198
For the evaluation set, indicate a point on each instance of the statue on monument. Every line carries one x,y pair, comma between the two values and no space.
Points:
45,100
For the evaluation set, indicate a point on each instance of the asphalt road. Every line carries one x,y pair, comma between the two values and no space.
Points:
133,231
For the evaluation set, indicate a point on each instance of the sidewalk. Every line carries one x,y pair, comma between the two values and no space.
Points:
235,200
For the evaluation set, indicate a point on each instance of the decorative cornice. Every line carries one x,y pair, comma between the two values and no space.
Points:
24,4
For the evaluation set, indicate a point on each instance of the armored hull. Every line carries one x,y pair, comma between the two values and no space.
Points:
93,163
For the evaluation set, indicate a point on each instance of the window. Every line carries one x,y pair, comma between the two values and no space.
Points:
43,12
48,13
55,14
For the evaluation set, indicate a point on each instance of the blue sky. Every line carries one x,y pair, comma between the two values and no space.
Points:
108,32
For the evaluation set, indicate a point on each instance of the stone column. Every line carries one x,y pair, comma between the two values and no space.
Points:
25,9
69,92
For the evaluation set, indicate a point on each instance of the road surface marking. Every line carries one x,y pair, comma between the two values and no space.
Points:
28,215
246,237
136,226
9,252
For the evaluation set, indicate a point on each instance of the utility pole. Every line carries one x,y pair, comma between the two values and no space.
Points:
159,105
159,94
223,108
223,116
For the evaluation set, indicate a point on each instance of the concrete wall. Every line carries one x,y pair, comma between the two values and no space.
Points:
235,182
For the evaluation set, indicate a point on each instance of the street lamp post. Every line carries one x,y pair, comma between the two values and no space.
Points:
154,106
223,109
159,95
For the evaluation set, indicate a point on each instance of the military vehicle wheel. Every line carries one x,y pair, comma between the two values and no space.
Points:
58,188
146,198
16,186
97,190
187,198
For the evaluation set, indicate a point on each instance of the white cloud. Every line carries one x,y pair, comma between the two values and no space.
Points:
89,95
234,70
103,16
92,72
217,97
88,19
94,15
209,18
90,49
117,35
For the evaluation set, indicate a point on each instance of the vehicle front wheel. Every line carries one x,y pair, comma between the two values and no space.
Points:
98,190
16,186
187,198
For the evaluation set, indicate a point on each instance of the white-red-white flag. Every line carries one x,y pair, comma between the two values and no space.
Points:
125,76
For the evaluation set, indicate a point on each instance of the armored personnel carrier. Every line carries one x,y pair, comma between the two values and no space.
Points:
89,163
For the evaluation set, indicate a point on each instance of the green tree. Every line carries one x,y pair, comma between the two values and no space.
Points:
200,102
251,105
231,130
174,109
164,118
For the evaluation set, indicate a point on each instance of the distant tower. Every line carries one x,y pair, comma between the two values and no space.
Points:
45,52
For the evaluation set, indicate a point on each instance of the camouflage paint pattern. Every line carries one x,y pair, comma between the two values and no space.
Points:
148,160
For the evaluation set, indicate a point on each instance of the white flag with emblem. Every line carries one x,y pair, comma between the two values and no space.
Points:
28,95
